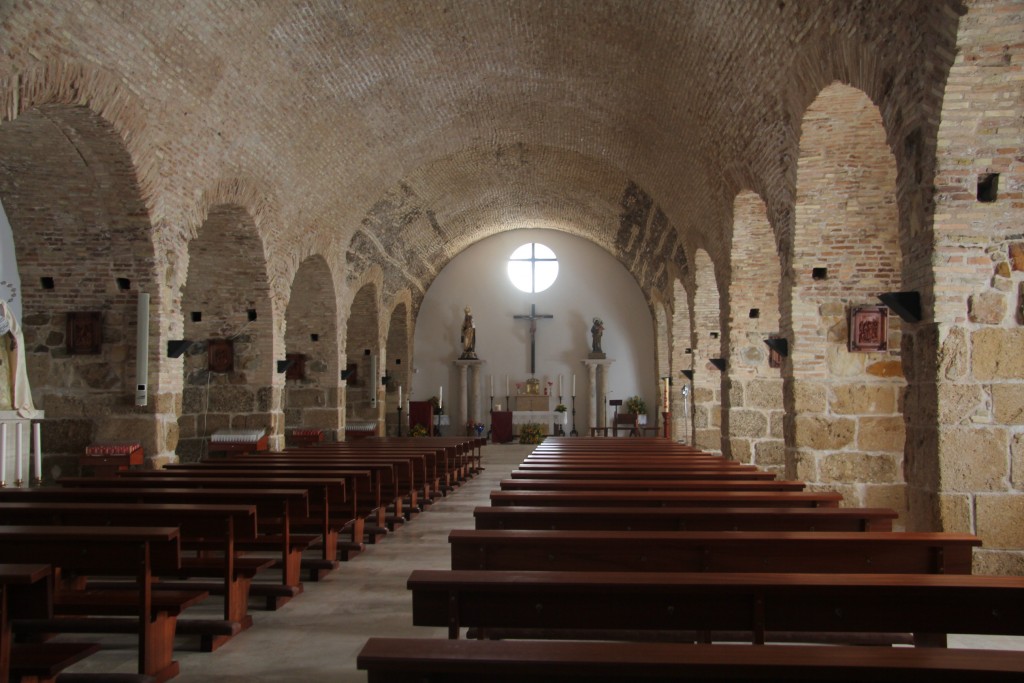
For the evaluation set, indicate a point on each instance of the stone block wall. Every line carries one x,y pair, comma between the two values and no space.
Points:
707,344
362,336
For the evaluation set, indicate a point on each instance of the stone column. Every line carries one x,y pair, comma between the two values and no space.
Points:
469,399
598,371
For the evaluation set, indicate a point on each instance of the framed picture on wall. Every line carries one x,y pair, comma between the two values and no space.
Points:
84,333
869,329
220,355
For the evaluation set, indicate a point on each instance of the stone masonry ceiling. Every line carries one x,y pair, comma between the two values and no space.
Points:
429,125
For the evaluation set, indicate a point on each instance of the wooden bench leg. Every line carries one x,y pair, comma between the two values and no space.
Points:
158,660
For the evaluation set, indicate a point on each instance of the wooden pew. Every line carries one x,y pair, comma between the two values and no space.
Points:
684,519
330,507
666,498
113,551
647,485
706,551
324,491
275,507
414,660
361,500
662,474
613,605
203,528
25,590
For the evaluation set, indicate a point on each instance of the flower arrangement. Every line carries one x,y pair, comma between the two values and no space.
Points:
531,432
477,427
418,430
560,408
636,405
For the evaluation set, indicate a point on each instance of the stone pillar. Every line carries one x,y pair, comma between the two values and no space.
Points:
28,473
598,371
469,392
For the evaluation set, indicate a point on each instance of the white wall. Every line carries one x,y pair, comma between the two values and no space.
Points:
590,284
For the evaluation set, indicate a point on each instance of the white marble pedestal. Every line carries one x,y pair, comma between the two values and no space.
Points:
17,465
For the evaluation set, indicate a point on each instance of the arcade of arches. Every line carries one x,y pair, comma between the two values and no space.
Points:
292,175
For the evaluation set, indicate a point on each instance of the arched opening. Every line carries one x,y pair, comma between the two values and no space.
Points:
311,340
707,345
82,238
682,360
663,342
362,368
753,396
847,427
229,367
396,372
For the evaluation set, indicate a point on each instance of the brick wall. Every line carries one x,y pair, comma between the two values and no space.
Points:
707,344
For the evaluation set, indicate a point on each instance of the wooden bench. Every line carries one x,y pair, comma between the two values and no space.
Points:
700,551
662,474
684,519
203,528
275,507
627,605
141,552
328,491
666,498
647,485
414,660
24,590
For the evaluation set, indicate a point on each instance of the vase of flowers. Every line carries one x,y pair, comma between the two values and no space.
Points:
560,408
474,428
636,405
531,433
418,430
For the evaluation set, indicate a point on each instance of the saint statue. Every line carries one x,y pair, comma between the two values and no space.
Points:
468,337
596,331
15,393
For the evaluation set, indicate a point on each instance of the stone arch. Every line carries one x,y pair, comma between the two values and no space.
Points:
363,357
83,241
706,336
682,360
844,428
752,398
311,398
662,315
398,360
226,299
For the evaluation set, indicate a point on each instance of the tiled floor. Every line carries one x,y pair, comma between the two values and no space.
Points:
317,635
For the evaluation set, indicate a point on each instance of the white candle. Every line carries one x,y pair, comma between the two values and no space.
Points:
19,445
39,450
440,397
3,452
399,396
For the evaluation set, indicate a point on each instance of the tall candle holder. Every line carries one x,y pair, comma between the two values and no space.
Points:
559,430
399,418
574,432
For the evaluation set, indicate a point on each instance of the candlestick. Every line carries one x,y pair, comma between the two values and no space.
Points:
506,386
3,455
19,446
39,453
492,387
440,397
399,412
574,385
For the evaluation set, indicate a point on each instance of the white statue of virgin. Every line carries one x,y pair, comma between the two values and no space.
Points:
15,393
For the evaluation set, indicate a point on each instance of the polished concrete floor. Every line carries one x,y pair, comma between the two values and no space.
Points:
318,635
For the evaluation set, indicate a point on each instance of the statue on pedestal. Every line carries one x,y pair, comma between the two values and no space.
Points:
468,337
15,393
596,331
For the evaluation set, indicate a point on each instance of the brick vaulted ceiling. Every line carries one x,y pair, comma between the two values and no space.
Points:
403,131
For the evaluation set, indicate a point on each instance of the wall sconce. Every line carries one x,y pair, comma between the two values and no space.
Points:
688,374
283,365
718,363
779,345
176,347
907,305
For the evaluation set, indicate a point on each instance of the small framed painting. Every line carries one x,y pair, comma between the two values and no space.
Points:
220,355
84,333
869,329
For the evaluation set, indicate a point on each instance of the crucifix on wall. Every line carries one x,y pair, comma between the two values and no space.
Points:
533,318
